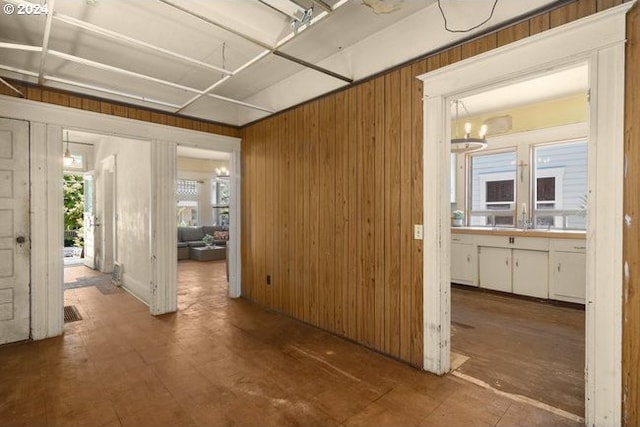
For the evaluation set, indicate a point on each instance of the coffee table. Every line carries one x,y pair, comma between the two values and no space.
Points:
207,253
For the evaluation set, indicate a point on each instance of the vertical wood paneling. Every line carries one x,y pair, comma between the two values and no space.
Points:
631,249
417,216
82,102
359,273
342,255
392,213
326,216
379,213
354,209
406,227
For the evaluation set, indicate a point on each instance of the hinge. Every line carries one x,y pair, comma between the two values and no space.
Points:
588,95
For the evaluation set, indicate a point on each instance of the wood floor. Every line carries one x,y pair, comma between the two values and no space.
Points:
521,346
222,362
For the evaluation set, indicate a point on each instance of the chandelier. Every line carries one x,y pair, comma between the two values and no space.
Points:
468,143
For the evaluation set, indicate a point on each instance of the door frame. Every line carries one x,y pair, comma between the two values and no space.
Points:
599,41
46,151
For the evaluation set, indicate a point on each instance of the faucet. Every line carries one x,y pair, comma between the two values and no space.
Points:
525,222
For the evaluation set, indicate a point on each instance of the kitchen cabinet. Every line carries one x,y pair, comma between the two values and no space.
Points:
530,273
464,260
539,267
568,271
494,266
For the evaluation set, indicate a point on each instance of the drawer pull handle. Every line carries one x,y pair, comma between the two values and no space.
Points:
507,262
559,267
517,263
468,258
579,247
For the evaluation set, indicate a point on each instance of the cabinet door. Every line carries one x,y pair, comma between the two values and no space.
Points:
495,268
531,273
464,264
568,276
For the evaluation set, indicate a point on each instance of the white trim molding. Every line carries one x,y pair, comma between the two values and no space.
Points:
598,41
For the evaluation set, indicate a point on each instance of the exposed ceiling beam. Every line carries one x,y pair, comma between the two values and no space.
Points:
18,46
45,39
110,91
131,41
312,66
253,40
111,68
280,11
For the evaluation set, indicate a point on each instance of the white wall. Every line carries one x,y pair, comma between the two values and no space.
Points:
133,174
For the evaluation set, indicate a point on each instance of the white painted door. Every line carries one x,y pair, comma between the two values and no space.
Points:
494,265
531,273
89,222
14,231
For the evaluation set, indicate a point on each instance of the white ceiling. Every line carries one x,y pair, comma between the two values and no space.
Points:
227,60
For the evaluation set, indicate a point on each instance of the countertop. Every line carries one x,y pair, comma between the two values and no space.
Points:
552,234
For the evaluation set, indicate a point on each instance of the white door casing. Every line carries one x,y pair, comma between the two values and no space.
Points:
89,220
105,214
598,41
14,231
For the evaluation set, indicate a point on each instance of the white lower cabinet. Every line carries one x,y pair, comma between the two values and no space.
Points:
568,272
494,265
531,273
464,263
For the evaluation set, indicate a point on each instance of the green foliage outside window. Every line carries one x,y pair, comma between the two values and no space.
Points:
74,207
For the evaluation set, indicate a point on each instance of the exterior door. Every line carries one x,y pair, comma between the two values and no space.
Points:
14,231
89,222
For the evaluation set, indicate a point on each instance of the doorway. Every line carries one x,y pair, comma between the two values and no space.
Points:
518,257
604,55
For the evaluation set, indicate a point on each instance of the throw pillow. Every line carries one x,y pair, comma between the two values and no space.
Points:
220,235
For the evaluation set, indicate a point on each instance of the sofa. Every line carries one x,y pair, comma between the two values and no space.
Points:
191,237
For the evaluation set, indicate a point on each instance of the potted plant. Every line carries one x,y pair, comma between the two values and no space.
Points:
458,218
208,240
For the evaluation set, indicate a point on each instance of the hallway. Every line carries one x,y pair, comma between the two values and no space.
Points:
225,362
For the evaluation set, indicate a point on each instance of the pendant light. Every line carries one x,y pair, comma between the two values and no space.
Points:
67,160
468,144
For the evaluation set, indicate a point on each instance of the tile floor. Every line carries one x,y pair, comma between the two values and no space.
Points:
221,362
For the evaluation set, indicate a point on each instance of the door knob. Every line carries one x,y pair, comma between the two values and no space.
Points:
20,239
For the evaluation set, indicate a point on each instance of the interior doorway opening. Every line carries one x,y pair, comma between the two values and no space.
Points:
518,255
203,214
537,54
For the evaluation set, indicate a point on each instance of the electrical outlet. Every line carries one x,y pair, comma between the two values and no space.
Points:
417,232
268,279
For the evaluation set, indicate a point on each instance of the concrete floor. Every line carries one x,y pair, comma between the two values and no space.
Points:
222,362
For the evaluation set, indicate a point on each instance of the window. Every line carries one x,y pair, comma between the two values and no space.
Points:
560,191
220,200
492,189
187,197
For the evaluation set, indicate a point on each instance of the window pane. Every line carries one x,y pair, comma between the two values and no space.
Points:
561,185
493,189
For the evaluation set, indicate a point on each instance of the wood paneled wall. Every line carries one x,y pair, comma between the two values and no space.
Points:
73,100
331,190
631,292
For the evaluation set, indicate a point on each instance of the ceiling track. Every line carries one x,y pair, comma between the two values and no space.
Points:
45,40
256,41
110,68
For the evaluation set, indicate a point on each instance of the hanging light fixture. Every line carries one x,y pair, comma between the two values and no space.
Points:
468,143
222,172
67,159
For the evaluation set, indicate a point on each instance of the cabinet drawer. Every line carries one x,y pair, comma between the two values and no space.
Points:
463,238
568,245
518,242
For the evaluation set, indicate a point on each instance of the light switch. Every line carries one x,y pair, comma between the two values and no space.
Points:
417,231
